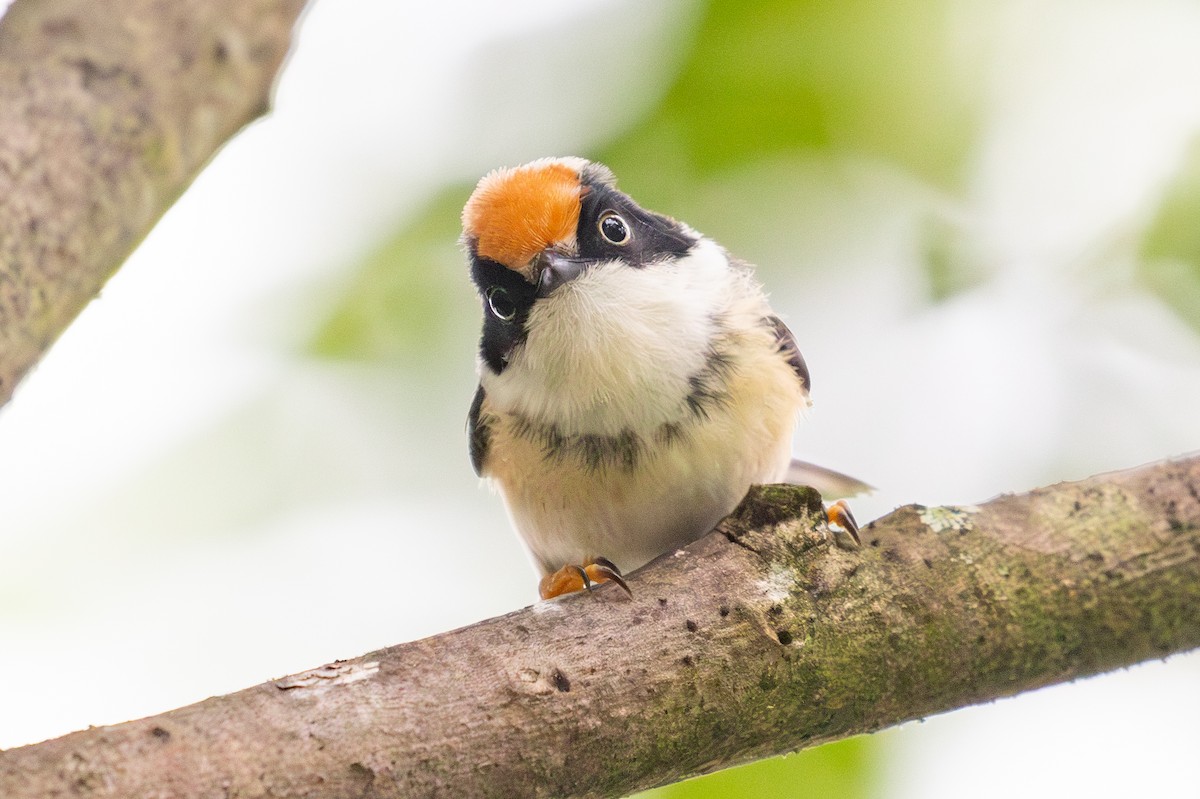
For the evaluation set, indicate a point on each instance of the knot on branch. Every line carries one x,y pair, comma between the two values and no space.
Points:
776,519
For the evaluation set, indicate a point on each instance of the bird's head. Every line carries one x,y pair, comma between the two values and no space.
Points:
533,230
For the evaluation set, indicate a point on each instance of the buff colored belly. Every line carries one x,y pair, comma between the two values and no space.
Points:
675,494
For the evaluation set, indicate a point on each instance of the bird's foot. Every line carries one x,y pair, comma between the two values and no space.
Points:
572,578
841,520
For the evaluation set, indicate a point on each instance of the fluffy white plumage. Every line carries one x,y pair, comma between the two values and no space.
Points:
614,352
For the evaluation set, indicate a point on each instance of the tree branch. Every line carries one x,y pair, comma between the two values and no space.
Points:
759,639
108,110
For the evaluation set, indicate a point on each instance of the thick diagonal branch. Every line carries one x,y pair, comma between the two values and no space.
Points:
759,639
107,111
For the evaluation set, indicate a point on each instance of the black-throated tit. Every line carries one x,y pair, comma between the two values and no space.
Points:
633,380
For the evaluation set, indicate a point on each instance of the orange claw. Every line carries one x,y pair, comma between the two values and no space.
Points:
572,578
840,518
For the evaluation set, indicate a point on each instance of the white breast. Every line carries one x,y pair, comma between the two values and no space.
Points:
612,353
614,349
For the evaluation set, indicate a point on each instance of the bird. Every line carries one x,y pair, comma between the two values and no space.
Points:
634,381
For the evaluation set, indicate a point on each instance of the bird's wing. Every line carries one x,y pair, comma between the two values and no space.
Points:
829,483
478,432
787,347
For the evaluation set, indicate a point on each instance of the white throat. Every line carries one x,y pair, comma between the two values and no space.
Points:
613,350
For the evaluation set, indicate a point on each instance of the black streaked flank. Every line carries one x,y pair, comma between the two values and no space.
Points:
708,386
670,433
594,452
626,449
479,432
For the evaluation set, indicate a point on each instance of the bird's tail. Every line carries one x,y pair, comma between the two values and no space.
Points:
830,484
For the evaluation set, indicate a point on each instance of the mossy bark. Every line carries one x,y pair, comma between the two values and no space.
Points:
761,638
108,110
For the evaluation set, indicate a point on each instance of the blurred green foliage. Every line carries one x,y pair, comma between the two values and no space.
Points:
1170,253
760,80
845,770
397,301
771,76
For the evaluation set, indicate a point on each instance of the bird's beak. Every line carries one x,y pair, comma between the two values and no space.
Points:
554,269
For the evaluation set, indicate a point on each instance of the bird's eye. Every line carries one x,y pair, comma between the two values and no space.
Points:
613,228
500,305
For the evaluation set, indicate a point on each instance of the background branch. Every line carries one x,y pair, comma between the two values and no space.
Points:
107,112
759,639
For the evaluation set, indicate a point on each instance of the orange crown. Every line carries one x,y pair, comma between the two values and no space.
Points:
516,213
